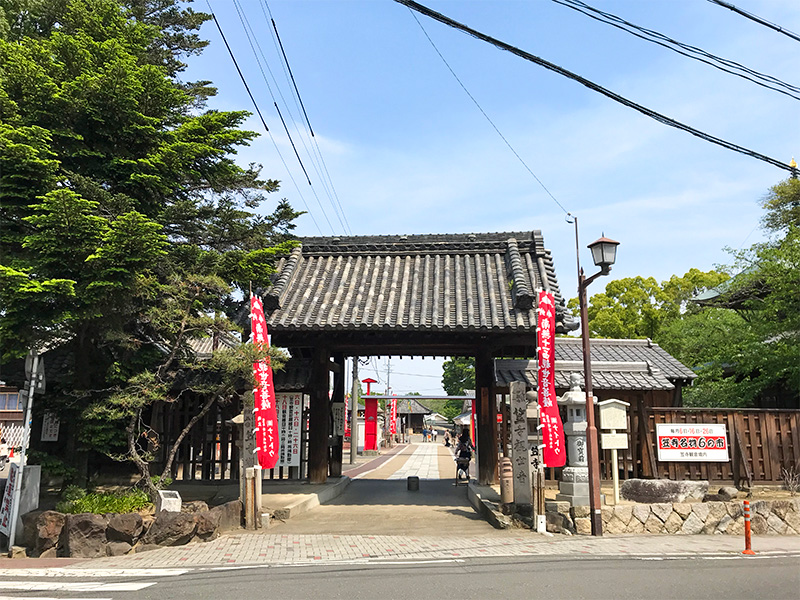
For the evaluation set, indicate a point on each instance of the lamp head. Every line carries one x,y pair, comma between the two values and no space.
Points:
604,253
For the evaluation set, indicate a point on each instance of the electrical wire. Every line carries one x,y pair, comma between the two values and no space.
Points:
301,106
483,112
258,110
591,85
757,19
723,64
245,25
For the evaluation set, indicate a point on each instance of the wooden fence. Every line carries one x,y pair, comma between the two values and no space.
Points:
761,442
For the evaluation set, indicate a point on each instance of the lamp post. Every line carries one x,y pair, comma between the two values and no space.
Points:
604,254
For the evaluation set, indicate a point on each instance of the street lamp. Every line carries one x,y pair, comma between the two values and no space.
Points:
604,254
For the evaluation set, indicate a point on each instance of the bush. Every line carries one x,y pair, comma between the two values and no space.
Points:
52,466
102,502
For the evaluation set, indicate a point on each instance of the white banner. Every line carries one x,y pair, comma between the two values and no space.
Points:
290,418
337,408
696,442
8,497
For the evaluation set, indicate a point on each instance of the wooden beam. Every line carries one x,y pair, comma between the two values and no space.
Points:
337,441
486,416
318,418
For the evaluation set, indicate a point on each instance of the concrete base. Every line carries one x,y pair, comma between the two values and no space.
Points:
306,501
370,453
573,489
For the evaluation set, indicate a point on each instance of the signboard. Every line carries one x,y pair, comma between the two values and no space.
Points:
50,427
499,417
554,454
267,440
614,441
290,418
692,442
8,499
337,409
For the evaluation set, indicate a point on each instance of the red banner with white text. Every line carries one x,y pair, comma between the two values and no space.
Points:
554,453
393,419
267,434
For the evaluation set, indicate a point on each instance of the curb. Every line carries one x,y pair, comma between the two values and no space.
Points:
485,508
302,505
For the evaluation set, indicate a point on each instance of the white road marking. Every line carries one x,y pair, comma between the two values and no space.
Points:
104,573
41,598
76,586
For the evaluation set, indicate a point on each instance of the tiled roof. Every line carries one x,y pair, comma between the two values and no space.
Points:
568,348
426,283
202,347
605,375
616,365
409,406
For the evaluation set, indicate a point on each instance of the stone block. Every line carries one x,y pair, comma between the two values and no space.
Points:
716,510
171,529
662,490
17,552
673,523
559,523
49,553
169,501
761,507
43,532
641,512
614,526
606,512
125,527
682,508
776,525
624,512
208,525
728,493
758,525
653,524
194,506
662,510
635,526
230,515
559,507
782,507
792,519
701,510
583,526
573,489
580,512
692,525
723,524
736,527
735,509
117,548
575,475
84,535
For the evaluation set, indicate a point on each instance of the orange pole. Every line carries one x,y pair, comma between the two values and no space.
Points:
747,548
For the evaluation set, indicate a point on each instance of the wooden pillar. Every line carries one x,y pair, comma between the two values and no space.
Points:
486,416
337,443
318,418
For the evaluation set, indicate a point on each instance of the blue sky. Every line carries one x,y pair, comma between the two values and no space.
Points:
407,151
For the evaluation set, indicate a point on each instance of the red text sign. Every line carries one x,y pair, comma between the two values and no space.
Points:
267,440
554,454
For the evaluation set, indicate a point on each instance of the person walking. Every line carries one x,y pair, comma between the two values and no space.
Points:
435,435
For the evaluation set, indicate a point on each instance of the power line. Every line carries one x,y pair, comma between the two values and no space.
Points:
483,112
757,19
291,141
591,85
251,39
290,76
723,64
258,110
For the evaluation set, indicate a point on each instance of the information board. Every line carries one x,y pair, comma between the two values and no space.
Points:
290,416
696,442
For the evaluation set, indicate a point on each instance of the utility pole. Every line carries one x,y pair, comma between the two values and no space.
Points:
386,434
354,414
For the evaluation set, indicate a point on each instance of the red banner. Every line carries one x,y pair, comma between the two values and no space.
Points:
554,454
267,440
393,422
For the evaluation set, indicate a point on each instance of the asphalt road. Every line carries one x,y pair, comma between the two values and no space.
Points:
730,578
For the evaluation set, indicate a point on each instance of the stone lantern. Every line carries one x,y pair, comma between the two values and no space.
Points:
574,484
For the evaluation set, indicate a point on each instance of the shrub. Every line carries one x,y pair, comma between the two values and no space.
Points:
103,502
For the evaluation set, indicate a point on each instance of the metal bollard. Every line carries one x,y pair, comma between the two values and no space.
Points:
506,481
413,483
747,548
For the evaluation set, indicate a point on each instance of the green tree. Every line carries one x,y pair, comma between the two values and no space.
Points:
123,214
458,374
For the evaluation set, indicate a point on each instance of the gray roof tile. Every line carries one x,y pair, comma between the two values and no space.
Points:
459,282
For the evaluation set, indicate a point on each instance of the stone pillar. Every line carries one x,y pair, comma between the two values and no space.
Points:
574,484
520,447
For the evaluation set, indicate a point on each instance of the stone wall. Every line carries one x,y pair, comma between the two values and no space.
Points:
768,517
50,534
